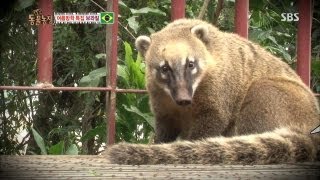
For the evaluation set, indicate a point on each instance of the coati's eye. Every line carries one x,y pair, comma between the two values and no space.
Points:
164,68
191,65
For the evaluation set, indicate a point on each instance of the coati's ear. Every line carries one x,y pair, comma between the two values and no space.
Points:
142,44
201,31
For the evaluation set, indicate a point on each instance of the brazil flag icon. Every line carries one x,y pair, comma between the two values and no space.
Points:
106,18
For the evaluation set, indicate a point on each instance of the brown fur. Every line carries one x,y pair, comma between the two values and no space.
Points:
249,106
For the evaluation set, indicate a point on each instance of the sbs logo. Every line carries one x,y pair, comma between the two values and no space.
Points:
290,17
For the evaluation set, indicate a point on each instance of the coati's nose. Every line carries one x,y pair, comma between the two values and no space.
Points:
183,98
182,95
183,102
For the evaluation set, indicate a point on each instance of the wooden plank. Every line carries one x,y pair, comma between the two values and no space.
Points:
97,167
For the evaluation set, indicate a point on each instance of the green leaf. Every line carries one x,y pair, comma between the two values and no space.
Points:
121,3
133,24
151,30
135,68
85,81
99,130
286,56
128,54
22,4
39,141
272,39
146,10
93,78
122,72
72,150
145,116
98,73
57,149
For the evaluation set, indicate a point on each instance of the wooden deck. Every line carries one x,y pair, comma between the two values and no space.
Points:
97,167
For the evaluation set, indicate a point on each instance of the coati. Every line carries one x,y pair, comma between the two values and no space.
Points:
220,99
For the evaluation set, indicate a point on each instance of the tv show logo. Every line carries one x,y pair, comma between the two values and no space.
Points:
36,18
84,18
290,17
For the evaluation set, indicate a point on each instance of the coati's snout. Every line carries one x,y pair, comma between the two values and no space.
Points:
182,94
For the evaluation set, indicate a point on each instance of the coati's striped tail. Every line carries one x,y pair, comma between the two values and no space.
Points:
279,146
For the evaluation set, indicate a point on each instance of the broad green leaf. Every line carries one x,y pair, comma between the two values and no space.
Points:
72,150
87,81
99,130
146,10
133,24
93,78
84,80
98,73
22,4
145,116
57,149
39,141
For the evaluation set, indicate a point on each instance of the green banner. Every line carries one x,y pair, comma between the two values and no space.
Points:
106,17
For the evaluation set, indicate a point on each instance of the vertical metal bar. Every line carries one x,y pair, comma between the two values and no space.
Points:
108,61
241,18
45,36
304,40
113,78
177,9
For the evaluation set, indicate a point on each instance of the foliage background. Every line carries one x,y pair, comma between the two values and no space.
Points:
34,122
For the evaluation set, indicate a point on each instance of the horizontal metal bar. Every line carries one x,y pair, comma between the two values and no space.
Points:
78,89
71,89
131,91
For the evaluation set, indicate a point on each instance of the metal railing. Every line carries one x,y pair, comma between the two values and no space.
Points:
177,11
